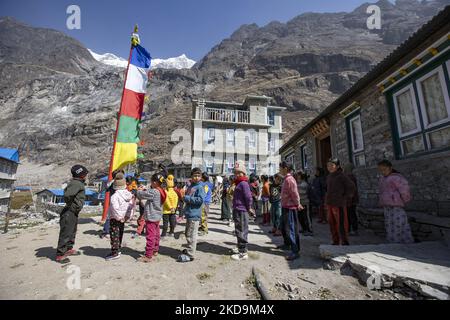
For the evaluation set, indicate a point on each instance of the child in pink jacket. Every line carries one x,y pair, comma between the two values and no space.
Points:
119,212
394,194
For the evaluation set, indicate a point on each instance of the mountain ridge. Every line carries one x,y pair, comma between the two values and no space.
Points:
304,64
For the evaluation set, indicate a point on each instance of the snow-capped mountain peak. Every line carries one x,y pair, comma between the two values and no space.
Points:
109,59
181,62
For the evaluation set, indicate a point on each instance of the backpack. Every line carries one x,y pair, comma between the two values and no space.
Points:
163,194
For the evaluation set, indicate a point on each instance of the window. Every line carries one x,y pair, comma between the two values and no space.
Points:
230,137
272,169
271,144
271,118
356,134
304,157
355,139
252,165
252,138
422,111
434,102
406,111
230,164
210,135
290,159
209,164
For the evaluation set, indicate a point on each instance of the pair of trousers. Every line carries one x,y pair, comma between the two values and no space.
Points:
106,225
290,230
152,237
141,224
397,226
116,235
305,219
322,214
68,229
205,213
275,210
191,233
352,218
225,210
265,211
169,218
338,221
241,229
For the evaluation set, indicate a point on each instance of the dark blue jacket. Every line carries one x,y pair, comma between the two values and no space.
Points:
194,198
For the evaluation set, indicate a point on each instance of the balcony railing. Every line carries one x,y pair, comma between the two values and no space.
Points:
223,115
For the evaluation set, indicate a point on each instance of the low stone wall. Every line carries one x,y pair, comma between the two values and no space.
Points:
425,227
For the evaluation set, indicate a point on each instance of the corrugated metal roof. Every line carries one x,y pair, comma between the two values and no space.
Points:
60,192
9,154
437,22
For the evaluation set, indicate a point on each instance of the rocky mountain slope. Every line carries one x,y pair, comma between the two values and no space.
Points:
58,103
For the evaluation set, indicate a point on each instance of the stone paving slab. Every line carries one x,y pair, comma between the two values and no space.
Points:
424,267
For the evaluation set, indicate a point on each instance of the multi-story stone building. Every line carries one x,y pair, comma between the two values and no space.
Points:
224,132
399,111
9,161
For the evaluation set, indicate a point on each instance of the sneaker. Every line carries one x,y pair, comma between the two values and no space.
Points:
112,257
72,252
234,251
62,259
185,258
171,235
240,256
292,257
144,259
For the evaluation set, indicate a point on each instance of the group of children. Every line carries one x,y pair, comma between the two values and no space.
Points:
287,200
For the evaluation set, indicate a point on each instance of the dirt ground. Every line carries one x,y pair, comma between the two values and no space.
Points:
28,269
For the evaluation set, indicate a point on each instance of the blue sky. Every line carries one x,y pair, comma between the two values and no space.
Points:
168,28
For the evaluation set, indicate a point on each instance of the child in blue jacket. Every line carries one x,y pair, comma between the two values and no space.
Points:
193,199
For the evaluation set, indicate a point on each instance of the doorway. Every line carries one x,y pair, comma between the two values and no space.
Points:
324,152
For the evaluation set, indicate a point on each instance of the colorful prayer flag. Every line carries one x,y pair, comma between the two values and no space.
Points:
125,151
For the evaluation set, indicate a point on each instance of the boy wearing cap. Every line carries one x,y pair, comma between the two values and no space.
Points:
74,197
242,206
340,189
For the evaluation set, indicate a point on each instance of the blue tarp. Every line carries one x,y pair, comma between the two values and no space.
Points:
10,154
60,192
22,188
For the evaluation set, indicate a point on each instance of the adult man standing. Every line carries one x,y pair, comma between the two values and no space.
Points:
290,205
